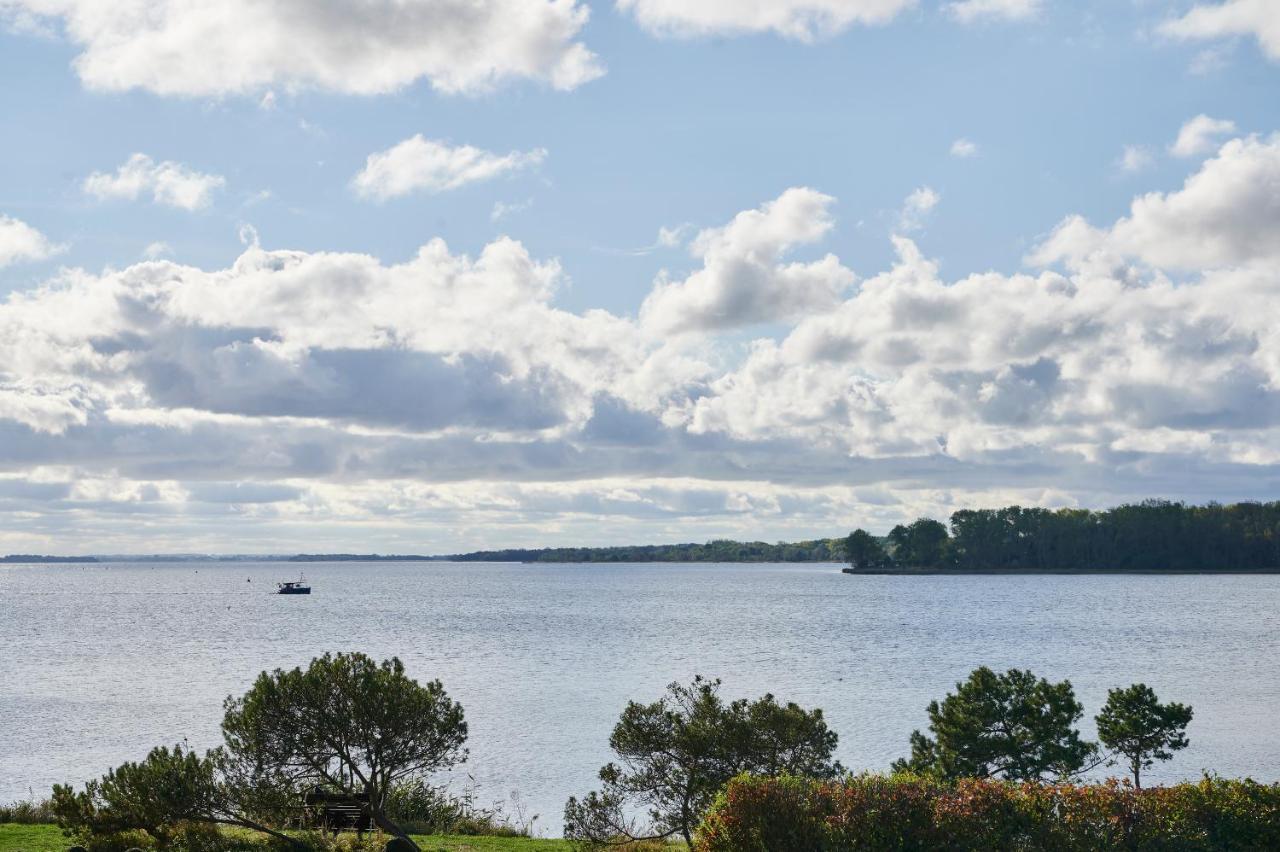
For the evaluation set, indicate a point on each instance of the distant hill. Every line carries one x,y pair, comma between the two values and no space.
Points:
31,559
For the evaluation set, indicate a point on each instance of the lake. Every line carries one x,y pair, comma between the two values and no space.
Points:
102,662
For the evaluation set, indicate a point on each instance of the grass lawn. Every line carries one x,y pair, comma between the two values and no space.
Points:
48,838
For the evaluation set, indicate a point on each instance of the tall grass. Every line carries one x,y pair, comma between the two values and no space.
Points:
30,811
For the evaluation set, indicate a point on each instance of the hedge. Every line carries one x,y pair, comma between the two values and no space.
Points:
904,813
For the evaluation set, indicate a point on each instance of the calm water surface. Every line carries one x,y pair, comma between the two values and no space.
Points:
100,662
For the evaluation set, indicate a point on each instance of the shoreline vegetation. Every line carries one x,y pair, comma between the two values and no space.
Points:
1151,537
339,756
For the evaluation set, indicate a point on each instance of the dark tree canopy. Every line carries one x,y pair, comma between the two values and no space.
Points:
921,544
1135,725
1013,726
677,753
347,723
864,552
1155,535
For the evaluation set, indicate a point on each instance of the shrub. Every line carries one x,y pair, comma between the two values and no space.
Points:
870,813
28,812
422,808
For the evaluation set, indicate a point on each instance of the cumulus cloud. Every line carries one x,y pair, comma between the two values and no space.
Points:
803,20
744,279
1226,214
916,208
963,149
425,165
364,47
21,242
996,365
168,183
446,400
1257,18
969,11
1200,135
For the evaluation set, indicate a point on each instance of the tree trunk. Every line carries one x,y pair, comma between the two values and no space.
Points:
1137,775
383,822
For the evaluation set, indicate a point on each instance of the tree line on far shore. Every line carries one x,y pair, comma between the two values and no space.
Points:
1154,535
720,550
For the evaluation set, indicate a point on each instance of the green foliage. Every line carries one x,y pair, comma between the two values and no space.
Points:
1135,724
677,753
864,552
1009,725
28,812
1155,535
174,797
921,544
349,724
874,813
422,808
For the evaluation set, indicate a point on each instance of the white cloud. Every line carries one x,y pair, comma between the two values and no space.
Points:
325,396
963,149
968,11
673,237
366,47
1226,214
157,250
21,242
744,279
1200,134
419,164
804,20
168,183
916,208
1258,18
916,366
1135,158
503,209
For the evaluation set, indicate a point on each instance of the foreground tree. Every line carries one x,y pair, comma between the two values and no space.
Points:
171,792
1134,723
1010,725
864,552
677,753
349,724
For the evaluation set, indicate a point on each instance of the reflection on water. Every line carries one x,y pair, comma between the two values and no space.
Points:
101,662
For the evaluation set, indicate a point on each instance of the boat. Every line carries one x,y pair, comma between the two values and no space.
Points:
294,587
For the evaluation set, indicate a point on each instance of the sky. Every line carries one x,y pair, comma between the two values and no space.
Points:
428,276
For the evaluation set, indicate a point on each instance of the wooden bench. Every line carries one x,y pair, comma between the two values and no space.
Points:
331,811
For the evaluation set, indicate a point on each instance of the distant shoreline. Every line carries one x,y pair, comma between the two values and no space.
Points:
877,572
936,572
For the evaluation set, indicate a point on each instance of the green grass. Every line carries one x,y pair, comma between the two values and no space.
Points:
48,838
15,837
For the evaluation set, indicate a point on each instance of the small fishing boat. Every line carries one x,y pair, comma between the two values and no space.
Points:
295,587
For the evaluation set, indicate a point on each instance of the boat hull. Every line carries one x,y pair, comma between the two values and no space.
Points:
306,591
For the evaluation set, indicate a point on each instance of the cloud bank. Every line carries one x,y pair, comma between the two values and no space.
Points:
299,399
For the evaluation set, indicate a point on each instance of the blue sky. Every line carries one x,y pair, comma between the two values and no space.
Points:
1002,123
